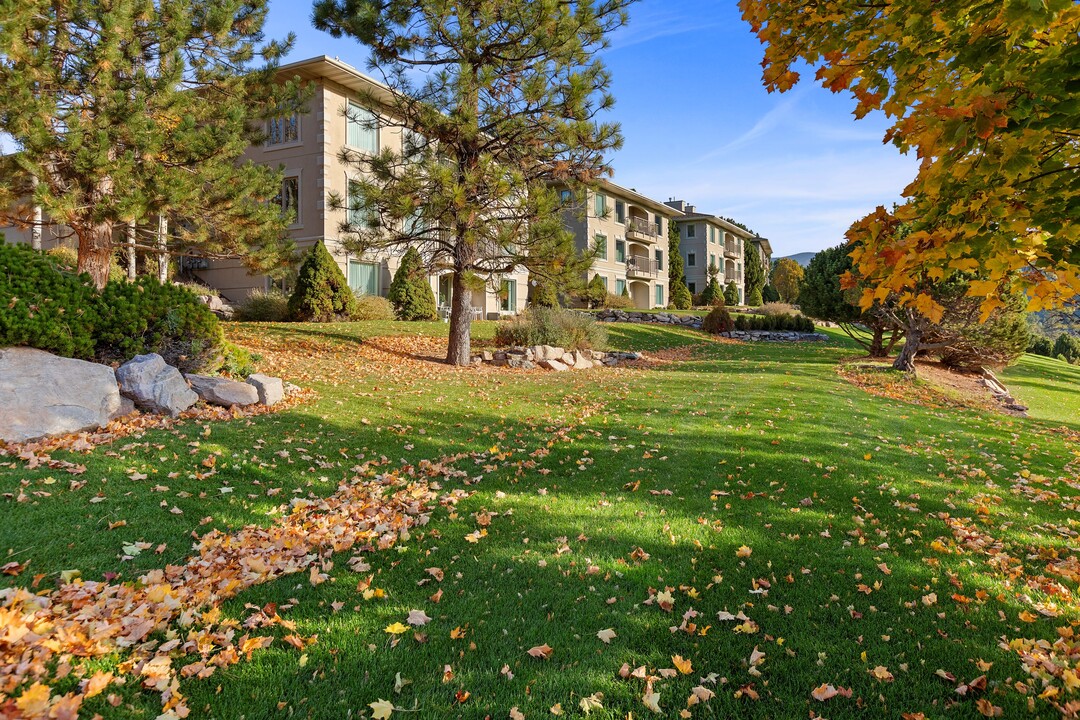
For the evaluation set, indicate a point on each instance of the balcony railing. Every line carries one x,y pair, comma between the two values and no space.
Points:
730,251
641,230
637,266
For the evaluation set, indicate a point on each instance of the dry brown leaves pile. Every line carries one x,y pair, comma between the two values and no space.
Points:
168,622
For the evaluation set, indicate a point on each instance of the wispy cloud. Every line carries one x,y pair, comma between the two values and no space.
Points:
652,21
771,120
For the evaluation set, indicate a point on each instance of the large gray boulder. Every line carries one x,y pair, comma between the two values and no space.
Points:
556,365
42,394
219,391
271,390
154,385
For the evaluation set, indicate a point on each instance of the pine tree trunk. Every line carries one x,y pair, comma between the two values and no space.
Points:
163,256
131,251
460,347
95,252
912,339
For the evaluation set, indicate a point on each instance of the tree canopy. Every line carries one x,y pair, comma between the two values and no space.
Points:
987,96
787,276
506,108
124,111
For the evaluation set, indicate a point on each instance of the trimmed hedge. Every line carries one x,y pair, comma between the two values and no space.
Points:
774,323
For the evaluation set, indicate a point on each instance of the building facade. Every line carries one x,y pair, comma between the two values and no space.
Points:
629,232
707,240
307,147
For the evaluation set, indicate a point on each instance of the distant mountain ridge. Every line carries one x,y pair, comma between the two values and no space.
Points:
802,258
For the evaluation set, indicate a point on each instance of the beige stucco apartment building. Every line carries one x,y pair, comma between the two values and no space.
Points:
307,148
706,240
630,232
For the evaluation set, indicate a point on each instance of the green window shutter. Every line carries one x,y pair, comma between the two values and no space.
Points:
660,295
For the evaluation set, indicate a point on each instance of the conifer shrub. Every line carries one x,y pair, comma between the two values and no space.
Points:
718,321
544,294
769,294
567,329
1067,347
264,306
410,292
756,298
44,307
322,294
595,293
1041,345
681,299
145,316
372,307
713,294
731,294
742,323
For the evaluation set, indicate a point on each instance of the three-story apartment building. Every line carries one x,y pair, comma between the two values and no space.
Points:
629,231
307,146
707,240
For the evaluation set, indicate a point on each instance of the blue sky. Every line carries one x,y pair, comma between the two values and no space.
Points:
698,125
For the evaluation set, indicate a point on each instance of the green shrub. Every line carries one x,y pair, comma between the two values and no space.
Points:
43,306
1041,345
146,316
769,294
236,361
718,321
410,291
742,323
198,288
618,302
713,294
756,298
543,294
1067,347
680,297
595,294
731,294
322,293
372,307
264,306
567,329
782,322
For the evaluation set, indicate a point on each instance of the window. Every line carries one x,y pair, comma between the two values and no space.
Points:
659,225
359,215
712,260
712,234
692,287
620,211
364,277
620,287
620,251
289,198
601,246
363,129
283,129
659,259
691,260
690,230
565,196
508,296
446,290
660,296
600,205
603,279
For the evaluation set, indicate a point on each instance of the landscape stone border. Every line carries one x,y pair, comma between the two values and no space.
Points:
550,357
694,322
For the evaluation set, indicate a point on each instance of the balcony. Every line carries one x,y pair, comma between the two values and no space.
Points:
730,251
640,230
641,267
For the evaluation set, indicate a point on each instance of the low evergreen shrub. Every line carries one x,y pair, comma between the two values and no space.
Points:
264,306
410,292
680,297
595,294
567,329
322,294
372,307
718,321
731,294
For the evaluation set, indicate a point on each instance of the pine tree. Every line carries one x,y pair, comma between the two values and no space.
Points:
410,291
507,104
595,292
713,294
129,110
322,294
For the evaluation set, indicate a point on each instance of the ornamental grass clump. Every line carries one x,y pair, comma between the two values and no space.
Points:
567,329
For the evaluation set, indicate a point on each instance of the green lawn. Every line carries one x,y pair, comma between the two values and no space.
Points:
853,532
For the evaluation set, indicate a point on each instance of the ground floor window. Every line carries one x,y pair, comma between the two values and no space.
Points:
364,277
692,287
508,296
620,287
446,289
660,296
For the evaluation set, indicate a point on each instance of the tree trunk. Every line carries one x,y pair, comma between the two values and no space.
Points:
131,251
877,344
460,348
163,256
95,252
912,339
35,229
